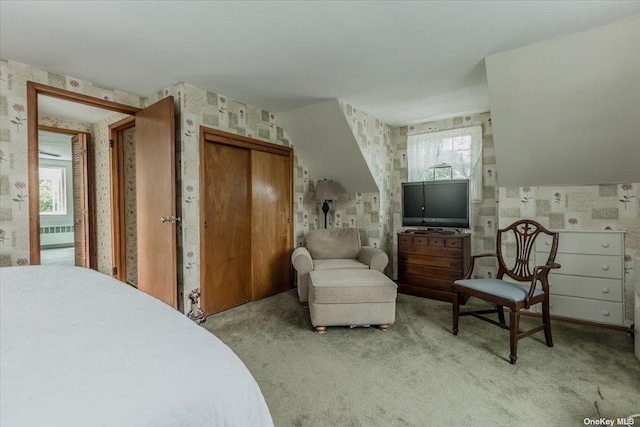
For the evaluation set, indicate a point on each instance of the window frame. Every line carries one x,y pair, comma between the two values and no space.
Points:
60,175
418,170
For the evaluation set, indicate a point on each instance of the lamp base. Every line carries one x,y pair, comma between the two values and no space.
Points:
325,209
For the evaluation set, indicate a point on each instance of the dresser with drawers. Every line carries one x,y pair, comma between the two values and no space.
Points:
429,263
590,284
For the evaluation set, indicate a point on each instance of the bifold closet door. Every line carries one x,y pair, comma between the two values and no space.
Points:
226,227
271,210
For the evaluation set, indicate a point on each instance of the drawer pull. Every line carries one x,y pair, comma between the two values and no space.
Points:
605,245
606,313
548,243
605,267
605,290
453,264
455,254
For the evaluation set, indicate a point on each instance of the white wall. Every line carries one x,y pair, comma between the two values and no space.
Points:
566,111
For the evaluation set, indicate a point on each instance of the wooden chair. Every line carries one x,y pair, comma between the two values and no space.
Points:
514,296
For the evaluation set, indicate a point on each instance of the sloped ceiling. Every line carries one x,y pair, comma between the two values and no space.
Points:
323,138
567,111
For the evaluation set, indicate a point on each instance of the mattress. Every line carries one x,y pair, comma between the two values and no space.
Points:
78,348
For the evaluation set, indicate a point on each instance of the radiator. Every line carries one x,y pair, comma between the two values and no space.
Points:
56,229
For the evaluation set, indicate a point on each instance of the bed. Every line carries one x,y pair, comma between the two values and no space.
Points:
79,348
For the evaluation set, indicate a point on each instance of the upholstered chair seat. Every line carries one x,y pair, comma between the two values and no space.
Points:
500,288
334,249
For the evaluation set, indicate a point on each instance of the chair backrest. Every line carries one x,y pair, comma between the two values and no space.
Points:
525,232
334,243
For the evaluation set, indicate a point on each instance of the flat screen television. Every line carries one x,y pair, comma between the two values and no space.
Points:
436,204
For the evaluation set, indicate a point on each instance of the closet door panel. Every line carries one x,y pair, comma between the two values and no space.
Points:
271,235
226,232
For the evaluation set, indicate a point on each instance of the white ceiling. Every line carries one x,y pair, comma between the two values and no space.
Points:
402,62
68,110
54,143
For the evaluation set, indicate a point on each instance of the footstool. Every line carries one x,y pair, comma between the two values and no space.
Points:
351,297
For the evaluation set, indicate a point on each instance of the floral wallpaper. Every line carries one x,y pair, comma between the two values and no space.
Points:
14,215
484,215
130,211
197,107
64,124
100,149
581,207
376,215
370,213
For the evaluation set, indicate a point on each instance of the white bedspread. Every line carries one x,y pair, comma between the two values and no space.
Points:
79,348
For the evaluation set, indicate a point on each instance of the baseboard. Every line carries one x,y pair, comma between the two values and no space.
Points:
576,321
57,246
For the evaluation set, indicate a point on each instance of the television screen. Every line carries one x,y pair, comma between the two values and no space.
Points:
438,204
412,203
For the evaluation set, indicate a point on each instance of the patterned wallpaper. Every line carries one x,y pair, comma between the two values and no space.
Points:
197,107
14,213
64,124
376,215
130,214
484,216
370,213
588,207
100,148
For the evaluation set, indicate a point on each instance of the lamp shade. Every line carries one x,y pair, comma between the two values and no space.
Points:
326,191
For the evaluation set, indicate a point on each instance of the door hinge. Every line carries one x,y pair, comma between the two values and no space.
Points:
111,143
114,271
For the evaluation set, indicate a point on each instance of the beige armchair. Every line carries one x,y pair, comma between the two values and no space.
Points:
334,249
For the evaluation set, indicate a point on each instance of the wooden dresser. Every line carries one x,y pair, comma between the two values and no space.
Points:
429,263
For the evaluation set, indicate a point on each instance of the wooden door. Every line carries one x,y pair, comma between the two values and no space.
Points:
271,229
225,227
81,224
156,201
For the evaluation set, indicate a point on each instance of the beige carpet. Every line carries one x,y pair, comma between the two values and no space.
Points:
419,374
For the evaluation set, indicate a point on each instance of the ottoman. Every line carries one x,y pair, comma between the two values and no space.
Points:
351,297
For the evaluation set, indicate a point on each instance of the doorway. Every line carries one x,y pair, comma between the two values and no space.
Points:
63,182
155,171
41,100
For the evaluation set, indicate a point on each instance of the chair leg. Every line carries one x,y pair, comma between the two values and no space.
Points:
546,319
514,327
456,313
500,314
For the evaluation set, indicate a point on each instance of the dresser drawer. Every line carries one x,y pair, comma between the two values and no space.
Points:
609,267
584,243
436,251
586,287
586,309
423,270
442,262
425,282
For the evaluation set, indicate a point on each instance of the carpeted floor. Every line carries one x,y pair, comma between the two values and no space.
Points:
419,374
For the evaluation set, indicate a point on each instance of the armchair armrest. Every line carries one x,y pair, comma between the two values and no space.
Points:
301,260
473,263
541,273
375,258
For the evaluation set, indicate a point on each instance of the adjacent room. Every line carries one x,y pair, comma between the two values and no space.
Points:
309,213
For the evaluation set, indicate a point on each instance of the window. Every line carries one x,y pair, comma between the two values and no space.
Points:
53,199
449,154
